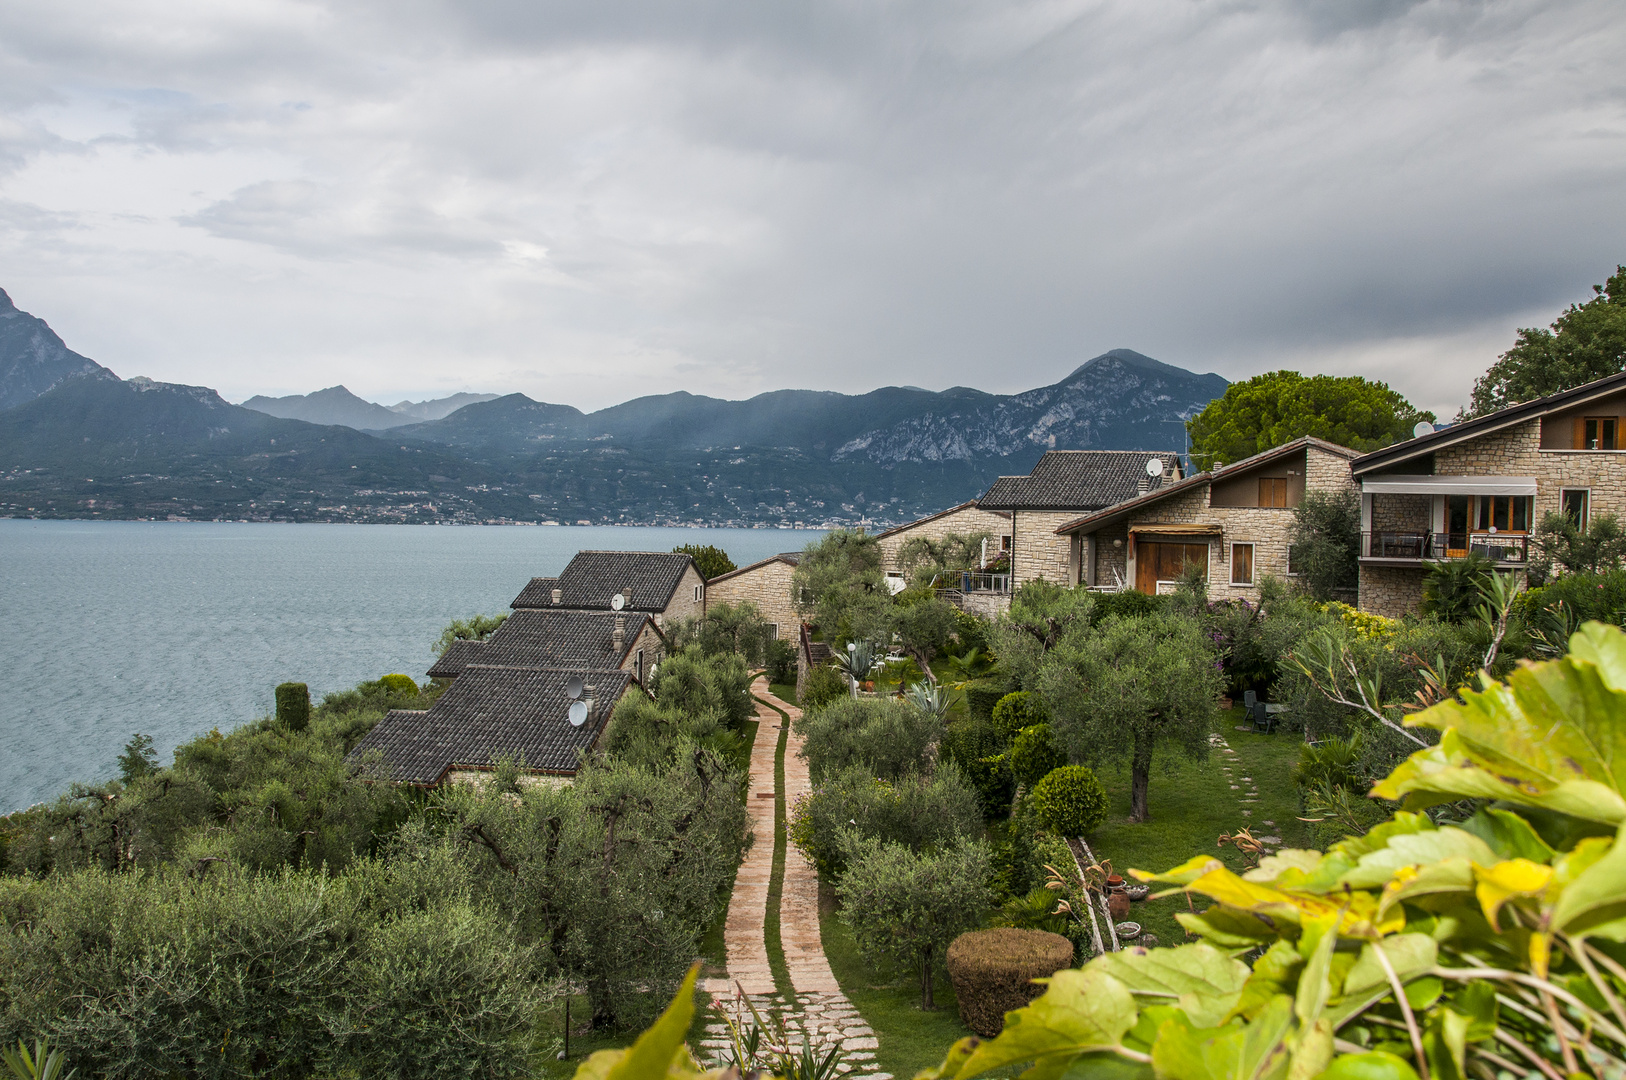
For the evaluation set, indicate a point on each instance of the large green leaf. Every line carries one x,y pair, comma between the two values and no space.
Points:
1509,835
1082,1012
1203,980
659,1052
1549,737
1256,1051
1372,1065
1273,974
1409,954
1316,944
1227,927
1416,850
1594,903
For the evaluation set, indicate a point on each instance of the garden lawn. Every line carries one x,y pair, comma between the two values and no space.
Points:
1190,807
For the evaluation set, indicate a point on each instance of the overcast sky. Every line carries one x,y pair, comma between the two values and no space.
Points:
591,201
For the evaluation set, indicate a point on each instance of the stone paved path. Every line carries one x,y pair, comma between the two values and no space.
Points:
1249,791
817,1009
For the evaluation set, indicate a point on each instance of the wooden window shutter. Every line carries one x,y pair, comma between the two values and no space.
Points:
1580,433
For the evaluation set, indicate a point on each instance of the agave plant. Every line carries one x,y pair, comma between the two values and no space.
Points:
929,698
859,662
43,1063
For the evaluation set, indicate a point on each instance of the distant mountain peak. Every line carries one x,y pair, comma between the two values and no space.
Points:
33,359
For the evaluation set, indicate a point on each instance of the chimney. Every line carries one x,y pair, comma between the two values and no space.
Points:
1144,486
618,637
557,595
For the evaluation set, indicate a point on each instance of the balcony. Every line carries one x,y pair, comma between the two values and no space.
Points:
1510,549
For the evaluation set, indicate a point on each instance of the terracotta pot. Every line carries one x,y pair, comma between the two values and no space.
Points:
1115,882
1117,906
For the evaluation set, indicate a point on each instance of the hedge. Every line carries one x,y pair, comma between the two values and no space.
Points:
993,972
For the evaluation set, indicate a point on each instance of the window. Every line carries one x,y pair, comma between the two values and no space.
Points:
640,665
1241,564
1573,503
1505,513
1599,433
1004,543
1272,491
699,591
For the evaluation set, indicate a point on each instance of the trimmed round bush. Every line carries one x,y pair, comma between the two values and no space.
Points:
399,684
293,706
1019,710
993,972
980,698
1034,755
1069,801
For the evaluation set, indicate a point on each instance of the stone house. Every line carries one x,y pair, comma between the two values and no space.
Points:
767,585
1483,486
1063,487
662,584
967,519
549,717
1232,522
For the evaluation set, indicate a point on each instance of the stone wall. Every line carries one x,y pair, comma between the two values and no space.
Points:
1040,553
766,585
684,603
966,521
1402,513
1391,591
1516,452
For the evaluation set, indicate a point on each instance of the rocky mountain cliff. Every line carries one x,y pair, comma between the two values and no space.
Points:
33,359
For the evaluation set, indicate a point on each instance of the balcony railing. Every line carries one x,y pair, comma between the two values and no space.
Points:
1498,547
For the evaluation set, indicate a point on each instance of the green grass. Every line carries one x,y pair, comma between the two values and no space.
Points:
1190,807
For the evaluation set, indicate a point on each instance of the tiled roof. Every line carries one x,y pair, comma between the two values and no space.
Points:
647,579
1077,480
546,638
1107,515
490,712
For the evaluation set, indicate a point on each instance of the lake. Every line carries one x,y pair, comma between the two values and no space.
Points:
173,628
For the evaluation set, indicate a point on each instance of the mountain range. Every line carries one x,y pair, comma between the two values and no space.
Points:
77,441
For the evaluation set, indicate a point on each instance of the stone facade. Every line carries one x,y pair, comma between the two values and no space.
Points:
688,602
967,520
1512,451
1266,528
767,585
1037,551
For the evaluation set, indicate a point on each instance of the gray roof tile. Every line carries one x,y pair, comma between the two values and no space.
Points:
647,579
546,638
1077,480
489,712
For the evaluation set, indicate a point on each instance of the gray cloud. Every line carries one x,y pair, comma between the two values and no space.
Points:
591,201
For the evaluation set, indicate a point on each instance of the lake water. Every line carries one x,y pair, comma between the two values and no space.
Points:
170,629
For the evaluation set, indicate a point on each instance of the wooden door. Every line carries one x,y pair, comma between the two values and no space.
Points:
1157,561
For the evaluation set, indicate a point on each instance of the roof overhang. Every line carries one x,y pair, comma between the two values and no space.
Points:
1176,530
1448,485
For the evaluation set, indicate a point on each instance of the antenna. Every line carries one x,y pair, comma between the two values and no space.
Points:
1154,467
1423,428
617,602
578,713
573,687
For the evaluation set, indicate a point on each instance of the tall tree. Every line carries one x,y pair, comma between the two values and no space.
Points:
1586,342
1280,406
1135,685
839,583
709,560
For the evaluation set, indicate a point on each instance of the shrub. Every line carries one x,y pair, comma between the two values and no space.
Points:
823,685
1454,589
993,972
1017,711
474,628
1034,756
695,683
781,661
981,697
906,906
919,812
1126,605
399,684
888,736
294,705
709,560
1332,762
978,748
1325,542
1070,801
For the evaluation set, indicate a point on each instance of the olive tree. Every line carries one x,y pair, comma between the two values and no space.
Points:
906,906
1132,686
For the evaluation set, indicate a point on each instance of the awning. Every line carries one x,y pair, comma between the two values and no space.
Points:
1448,485
1176,530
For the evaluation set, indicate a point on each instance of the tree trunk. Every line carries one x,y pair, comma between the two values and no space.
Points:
1140,775
927,1002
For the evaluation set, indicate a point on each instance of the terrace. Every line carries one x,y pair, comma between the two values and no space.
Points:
1415,519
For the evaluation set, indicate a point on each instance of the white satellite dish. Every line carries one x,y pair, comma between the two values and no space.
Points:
1154,467
617,602
573,687
578,713
1423,428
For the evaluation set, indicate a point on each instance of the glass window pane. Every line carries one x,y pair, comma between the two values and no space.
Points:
1606,436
